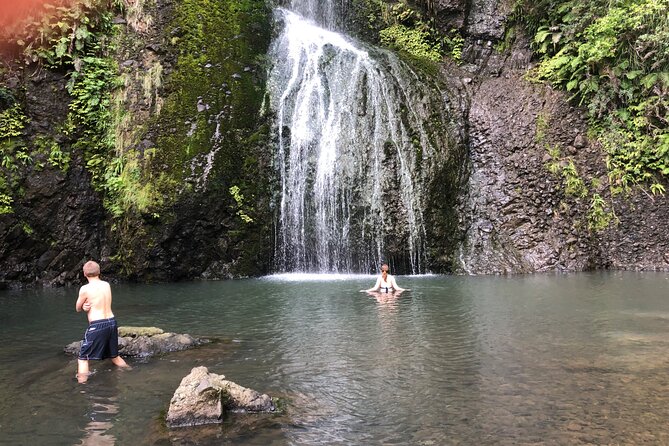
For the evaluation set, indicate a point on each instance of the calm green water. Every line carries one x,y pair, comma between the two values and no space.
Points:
458,360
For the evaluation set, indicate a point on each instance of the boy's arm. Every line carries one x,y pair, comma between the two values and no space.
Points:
81,300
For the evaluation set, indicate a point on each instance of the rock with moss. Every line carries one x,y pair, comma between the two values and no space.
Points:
147,341
204,398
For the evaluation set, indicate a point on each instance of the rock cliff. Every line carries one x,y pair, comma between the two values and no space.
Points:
530,176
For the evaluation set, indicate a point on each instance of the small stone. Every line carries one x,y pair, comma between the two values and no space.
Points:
580,141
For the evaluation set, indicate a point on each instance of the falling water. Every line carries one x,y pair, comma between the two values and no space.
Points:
323,12
351,140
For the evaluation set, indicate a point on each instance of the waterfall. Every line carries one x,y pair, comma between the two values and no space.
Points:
324,11
351,140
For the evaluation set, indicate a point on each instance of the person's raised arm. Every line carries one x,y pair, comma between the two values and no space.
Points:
376,286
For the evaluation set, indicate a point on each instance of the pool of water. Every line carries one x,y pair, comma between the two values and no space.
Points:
564,359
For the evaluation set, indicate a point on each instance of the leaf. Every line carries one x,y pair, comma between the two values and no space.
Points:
541,35
576,62
664,77
657,188
82,33
649,80
61,47
633,74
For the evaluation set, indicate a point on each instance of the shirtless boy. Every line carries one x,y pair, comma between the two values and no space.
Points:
101,337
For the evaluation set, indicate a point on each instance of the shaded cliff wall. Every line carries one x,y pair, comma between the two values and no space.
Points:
183,198
203,125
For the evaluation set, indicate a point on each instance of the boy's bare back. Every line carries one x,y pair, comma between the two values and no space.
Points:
97,294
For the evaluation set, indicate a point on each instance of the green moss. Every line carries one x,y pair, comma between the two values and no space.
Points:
138,331
216,89
205,118
412,41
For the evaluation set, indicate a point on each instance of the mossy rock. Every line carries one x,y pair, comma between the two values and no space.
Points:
134,332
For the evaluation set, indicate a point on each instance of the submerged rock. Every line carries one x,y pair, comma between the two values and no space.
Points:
147,341
203,398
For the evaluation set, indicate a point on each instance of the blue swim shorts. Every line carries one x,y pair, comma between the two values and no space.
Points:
100,340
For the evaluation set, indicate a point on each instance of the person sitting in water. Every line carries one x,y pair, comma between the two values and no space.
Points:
385,283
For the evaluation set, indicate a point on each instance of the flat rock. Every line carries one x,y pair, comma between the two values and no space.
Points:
147,341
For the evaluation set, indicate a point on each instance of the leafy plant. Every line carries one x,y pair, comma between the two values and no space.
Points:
62,31
411,40
599,218
613,58
13,150
454,43
12,123
5,199
574,184
239,199
404,29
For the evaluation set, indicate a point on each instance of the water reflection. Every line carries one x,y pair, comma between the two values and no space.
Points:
388,301
97,430
102,398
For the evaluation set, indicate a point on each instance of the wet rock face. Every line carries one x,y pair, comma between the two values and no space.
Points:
204,398
53,231
477,19
639,241
512,214
515,214
57,219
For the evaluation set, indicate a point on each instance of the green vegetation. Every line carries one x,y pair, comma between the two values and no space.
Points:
599,218
613,57
239,200
12,147
414,41
600,214
75,38
12,144
404,28
564,167
202,128
209,119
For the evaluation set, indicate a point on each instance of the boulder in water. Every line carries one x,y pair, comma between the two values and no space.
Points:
204,398
147,341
